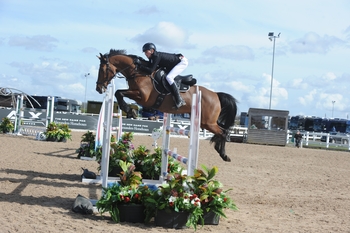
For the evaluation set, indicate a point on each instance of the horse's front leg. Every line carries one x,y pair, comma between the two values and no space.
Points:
134,95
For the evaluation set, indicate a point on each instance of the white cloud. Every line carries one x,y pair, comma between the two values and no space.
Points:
239,86
230,52
37,42
299,83
167,35
330,76
313,43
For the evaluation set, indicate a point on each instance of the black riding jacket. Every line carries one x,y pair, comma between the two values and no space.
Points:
162,60
298,136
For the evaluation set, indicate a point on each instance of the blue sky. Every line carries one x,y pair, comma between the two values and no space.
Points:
47,47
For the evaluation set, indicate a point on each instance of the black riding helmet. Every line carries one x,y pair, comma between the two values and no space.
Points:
148,46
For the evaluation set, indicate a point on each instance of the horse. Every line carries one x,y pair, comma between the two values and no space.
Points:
219,109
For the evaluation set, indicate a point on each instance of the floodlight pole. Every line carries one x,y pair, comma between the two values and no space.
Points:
333,101
87,74
272,36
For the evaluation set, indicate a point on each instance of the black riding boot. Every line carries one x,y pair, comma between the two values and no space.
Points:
177,97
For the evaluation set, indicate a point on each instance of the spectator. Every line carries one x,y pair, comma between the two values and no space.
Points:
298,138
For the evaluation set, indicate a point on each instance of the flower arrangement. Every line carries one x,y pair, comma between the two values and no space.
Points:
57,132
150,163
199,195
129,191
87,146
122,150
6,125
176,195
211,194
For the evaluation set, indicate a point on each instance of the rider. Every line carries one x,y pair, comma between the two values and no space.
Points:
174,64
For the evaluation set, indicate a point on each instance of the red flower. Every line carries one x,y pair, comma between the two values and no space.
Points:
218,191
127,199
174,193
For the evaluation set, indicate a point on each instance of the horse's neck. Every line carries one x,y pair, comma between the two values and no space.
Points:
123,64
121,61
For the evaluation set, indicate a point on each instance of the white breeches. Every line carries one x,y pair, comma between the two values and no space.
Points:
177,70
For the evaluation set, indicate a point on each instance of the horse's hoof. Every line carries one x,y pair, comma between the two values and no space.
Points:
227,159
134,113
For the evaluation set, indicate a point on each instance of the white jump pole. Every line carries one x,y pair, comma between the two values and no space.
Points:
193,134
106,145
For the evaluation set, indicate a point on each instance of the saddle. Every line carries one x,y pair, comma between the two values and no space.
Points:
161,85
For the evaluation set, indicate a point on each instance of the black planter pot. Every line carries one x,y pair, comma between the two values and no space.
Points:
51,139
171,219
156,177
62,140
211,218
134,213
115,171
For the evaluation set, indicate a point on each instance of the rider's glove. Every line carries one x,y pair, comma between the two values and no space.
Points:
137,61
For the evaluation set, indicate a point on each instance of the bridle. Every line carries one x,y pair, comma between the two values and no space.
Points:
108,69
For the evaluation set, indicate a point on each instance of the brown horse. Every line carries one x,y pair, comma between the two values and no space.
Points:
218,109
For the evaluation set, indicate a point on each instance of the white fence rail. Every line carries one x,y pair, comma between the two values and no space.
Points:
314,138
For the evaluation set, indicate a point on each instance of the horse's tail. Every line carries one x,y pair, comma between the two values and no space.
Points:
228,110
225,121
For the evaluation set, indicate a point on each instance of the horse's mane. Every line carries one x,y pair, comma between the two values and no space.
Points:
113,52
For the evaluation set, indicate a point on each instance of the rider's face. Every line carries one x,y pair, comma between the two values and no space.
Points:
149,53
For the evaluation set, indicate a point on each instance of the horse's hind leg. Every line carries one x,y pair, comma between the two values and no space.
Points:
219,140
220,146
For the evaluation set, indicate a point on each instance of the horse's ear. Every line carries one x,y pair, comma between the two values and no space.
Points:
100,57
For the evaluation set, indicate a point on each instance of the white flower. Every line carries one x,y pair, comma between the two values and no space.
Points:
186,200
123,192
196,202
172,199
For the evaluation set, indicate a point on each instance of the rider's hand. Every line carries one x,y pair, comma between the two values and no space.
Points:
137,61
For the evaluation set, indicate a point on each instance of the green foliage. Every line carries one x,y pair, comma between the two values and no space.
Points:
176,195
129,176
6,125
128,191
210,191
57,132
150,163
195,194
87,146
122,150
